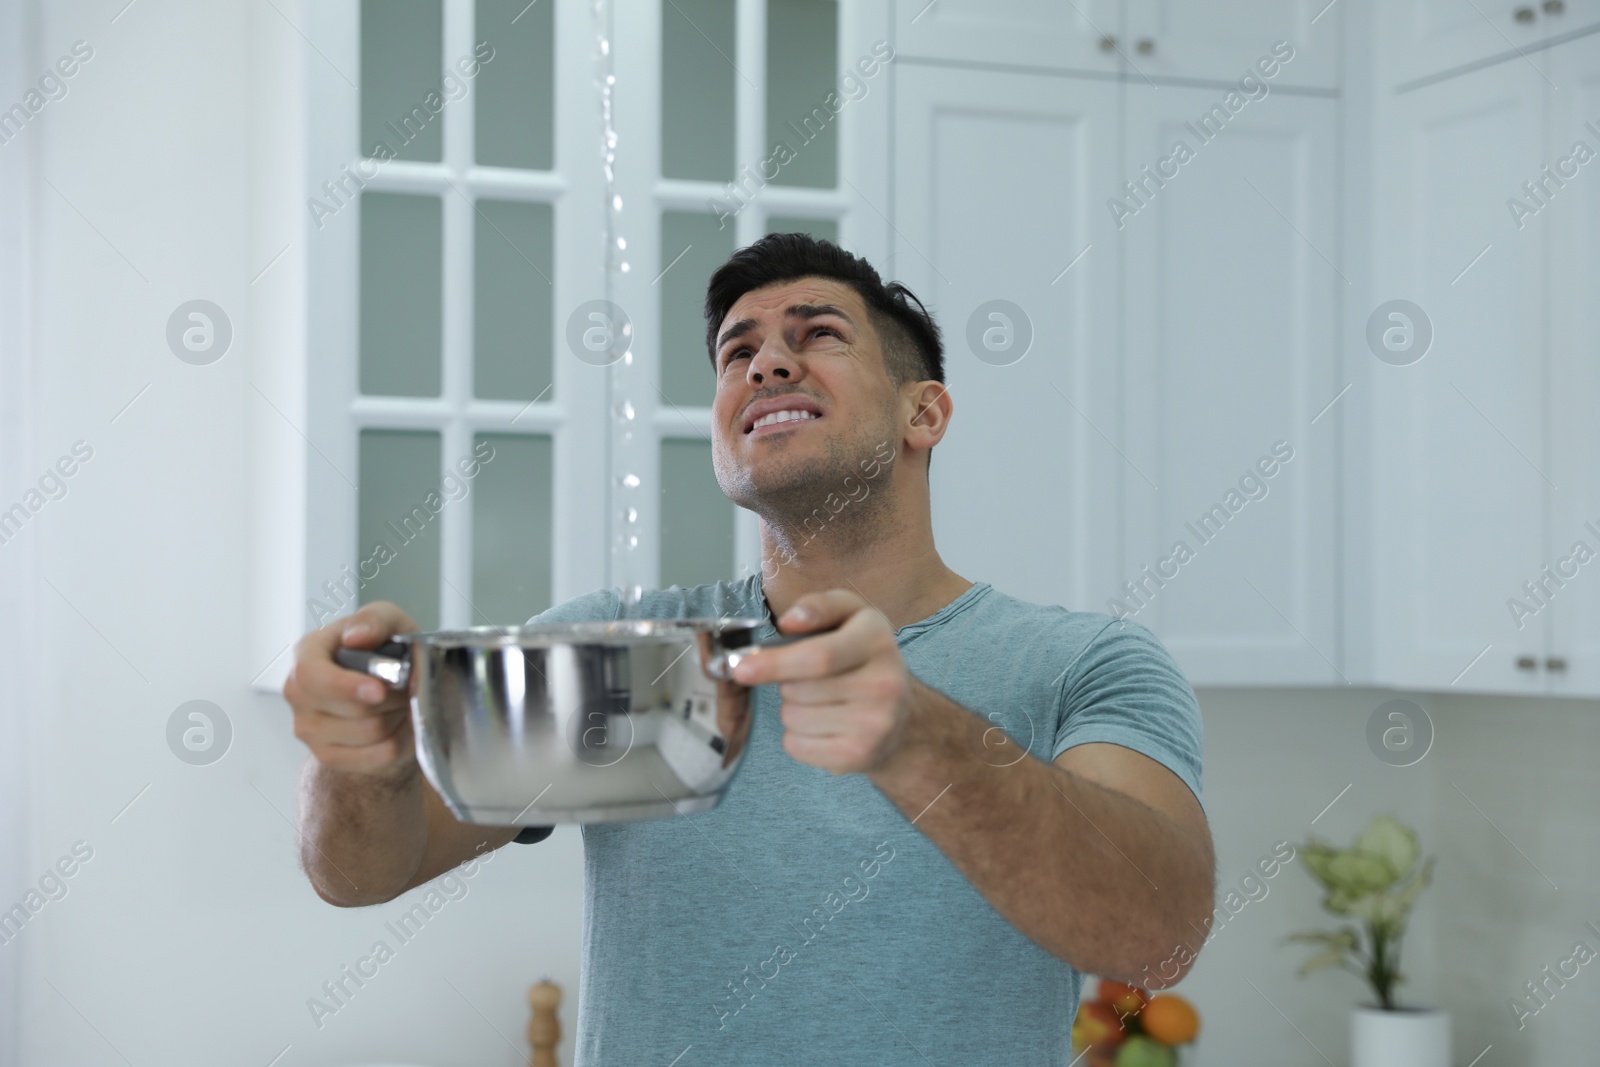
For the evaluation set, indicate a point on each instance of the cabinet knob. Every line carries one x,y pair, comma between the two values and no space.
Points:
1145,46
1555,663
1554,7
1527,663
1523,14
1108,44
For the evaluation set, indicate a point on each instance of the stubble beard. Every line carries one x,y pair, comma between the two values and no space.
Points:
794,483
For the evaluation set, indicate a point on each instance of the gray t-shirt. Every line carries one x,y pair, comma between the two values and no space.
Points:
804,919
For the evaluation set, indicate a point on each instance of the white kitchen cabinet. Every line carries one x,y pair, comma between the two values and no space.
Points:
1425,39
1039,33
1231,282
1225,39
1000,181
1463,470
1571,227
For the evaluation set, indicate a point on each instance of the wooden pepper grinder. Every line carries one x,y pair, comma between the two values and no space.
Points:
544,1028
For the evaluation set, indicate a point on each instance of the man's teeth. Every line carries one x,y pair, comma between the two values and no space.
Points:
781,416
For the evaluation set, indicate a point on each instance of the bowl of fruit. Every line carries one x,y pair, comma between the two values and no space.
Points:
1123,1026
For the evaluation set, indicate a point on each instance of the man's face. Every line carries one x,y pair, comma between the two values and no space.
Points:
802,394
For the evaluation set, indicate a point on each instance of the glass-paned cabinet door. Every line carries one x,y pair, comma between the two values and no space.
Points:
401,313
698,89
696,518
802,73
399,503
513,263
402,47
692,247
513,523
514,116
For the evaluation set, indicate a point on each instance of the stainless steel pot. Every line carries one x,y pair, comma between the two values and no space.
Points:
574,722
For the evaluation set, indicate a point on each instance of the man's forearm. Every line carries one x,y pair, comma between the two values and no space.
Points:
1093,876
361,836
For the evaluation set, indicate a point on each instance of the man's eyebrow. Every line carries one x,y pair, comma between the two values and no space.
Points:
794,311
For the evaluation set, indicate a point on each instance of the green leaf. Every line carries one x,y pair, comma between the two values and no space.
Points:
1331,958
1392,843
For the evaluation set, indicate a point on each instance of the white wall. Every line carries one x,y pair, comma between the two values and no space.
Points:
191,936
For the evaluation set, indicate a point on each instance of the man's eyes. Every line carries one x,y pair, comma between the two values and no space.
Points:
727,361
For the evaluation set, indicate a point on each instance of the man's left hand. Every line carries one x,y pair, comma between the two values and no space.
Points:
847,695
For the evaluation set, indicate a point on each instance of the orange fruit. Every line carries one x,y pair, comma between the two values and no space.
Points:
1170,1019
1126,999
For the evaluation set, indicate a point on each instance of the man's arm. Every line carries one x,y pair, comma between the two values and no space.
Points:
1103,858
371,827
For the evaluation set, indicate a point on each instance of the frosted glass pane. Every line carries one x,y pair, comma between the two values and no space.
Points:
697,89
400,501
402,242
515,90
511,528
512,300
821,229
802,69
686,376
402,48
696,519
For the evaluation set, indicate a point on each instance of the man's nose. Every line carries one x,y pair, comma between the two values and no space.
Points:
773,362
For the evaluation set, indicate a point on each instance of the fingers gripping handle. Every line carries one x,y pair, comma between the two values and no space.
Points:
720,666
390,661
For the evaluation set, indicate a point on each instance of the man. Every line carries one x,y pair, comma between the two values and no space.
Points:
953,803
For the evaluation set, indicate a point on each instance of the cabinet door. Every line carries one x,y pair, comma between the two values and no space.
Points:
1426,38
998,191
1224,39
1230,291
1571,225
1043,33
1459,471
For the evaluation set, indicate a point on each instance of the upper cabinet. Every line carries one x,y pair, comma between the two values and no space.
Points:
1230,472
1459,466
1426,39
1485,455
1078,36
1233,39
1570,223
1142,40
1000,229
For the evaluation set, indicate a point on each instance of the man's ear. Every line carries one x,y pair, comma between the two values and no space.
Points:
930,407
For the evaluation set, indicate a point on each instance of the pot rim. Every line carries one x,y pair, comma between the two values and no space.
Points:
552,634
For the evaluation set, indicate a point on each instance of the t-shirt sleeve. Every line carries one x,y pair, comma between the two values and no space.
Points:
1124,688
599,605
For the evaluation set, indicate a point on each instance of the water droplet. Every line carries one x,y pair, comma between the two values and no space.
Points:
616,203
605,47
631,481
633,542
633,514
624,267
622,242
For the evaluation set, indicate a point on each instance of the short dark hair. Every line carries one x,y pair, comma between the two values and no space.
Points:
912,348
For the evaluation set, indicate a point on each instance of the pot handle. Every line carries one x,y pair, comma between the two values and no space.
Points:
721,664
390,661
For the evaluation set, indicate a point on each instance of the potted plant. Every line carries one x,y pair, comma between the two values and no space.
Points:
1374,884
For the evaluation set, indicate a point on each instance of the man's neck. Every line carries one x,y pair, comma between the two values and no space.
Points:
900,574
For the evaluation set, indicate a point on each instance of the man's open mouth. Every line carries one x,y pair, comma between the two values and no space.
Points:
779,418
780,411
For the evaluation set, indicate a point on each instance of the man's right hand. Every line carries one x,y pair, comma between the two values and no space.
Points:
351,721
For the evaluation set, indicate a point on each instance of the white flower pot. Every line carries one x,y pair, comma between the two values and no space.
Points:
1410,1037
